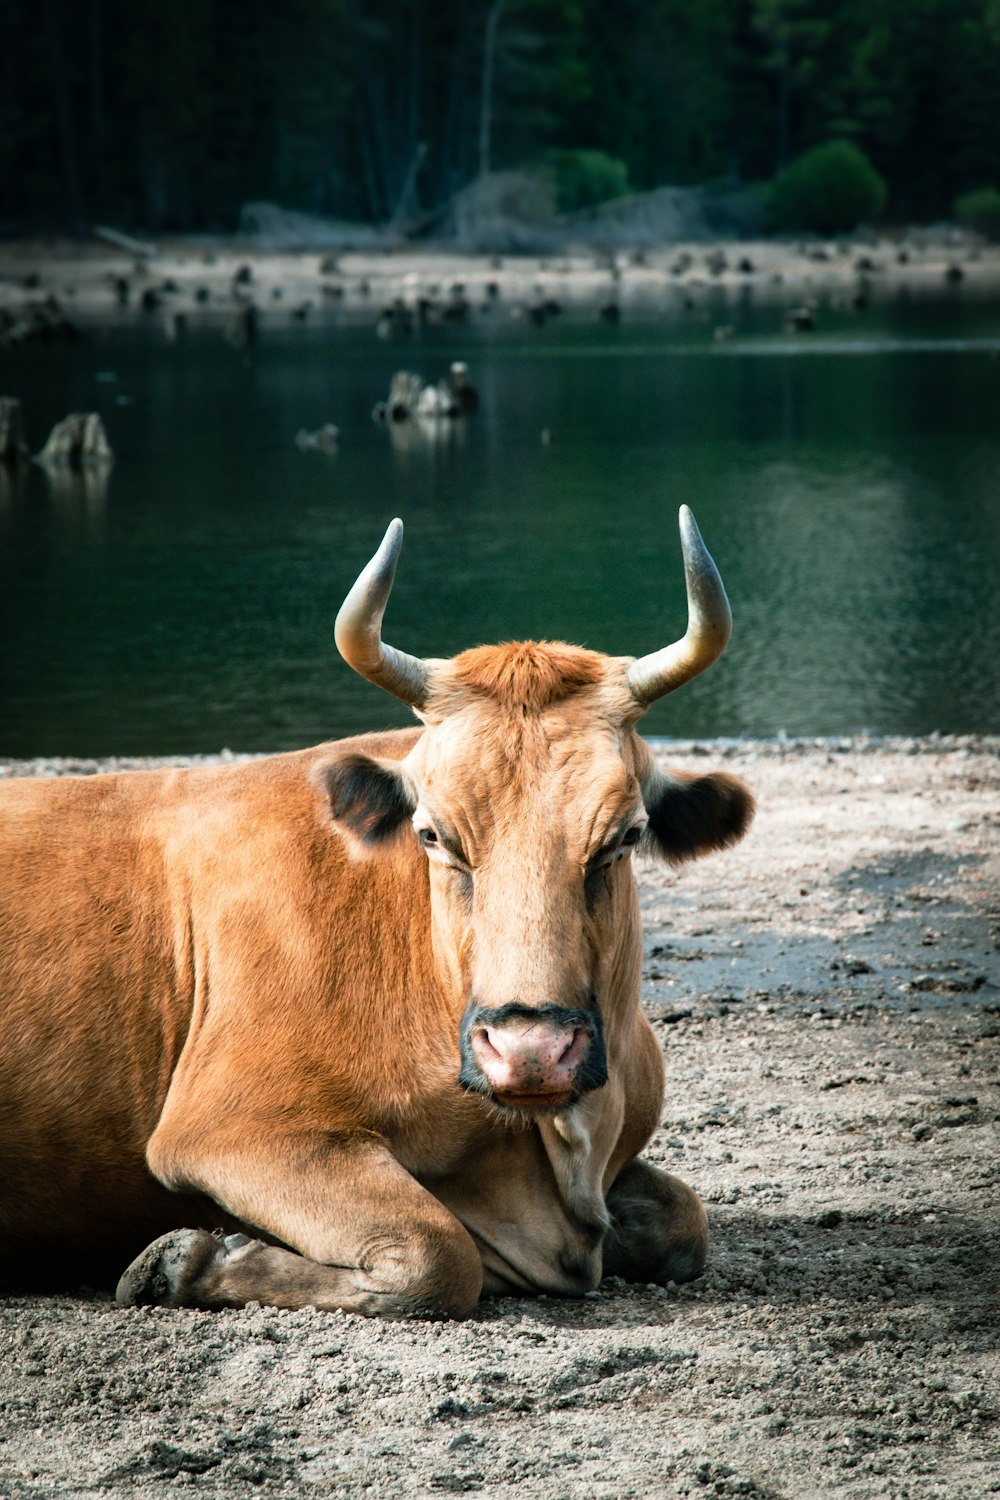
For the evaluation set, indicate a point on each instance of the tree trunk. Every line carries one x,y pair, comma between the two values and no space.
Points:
63,106
784,114
416,40
371,115
98,154
486,94
451,170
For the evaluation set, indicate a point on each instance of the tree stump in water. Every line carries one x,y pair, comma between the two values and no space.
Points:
13,445
78,441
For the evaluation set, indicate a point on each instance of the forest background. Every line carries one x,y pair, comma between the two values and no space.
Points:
171,117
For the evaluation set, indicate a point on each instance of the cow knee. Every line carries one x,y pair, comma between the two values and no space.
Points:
434,1272
659,1229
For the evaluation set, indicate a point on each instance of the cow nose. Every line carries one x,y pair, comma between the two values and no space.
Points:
530,1059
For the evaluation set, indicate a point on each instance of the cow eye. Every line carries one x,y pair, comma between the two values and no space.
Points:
428,838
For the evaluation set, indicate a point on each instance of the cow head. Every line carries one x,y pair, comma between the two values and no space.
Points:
528,794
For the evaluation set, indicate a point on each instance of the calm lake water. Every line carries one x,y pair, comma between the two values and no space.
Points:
847,483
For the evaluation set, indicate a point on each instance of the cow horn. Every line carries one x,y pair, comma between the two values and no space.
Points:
710,623
358,631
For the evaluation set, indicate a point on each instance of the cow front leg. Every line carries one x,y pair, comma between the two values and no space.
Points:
659,1229
192,1268
369,1238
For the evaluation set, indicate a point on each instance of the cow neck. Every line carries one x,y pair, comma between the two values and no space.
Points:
578,1143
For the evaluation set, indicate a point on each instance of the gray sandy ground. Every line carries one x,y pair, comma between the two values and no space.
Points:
828,997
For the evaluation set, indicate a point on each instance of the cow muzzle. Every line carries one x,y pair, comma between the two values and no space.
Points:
534,1059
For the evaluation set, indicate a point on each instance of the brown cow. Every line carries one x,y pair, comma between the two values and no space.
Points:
374,1004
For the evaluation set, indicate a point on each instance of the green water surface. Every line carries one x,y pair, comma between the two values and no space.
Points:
848,484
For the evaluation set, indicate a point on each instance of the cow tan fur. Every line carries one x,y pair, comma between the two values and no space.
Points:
238,998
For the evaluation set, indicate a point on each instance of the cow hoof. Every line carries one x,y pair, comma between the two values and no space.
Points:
163,1275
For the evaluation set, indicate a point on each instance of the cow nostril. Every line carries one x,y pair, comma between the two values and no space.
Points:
481,1037
574,1045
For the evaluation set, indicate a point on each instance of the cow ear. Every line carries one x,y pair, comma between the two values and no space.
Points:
369,798
691,815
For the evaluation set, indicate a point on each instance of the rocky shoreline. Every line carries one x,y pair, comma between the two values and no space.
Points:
62,288
782,747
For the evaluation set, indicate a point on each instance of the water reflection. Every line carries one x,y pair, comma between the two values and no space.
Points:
72,500
427,436
13,482
79,494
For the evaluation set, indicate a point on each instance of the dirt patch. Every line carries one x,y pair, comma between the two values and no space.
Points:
828,996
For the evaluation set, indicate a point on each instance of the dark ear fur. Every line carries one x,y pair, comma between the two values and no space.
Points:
691,815
368,797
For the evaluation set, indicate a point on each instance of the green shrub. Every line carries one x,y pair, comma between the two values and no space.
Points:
830,190
583,178
980,211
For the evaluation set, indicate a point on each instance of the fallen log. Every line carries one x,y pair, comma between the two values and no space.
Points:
126,242
13,445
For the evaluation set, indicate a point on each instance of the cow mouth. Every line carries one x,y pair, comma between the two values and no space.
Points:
535,1103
